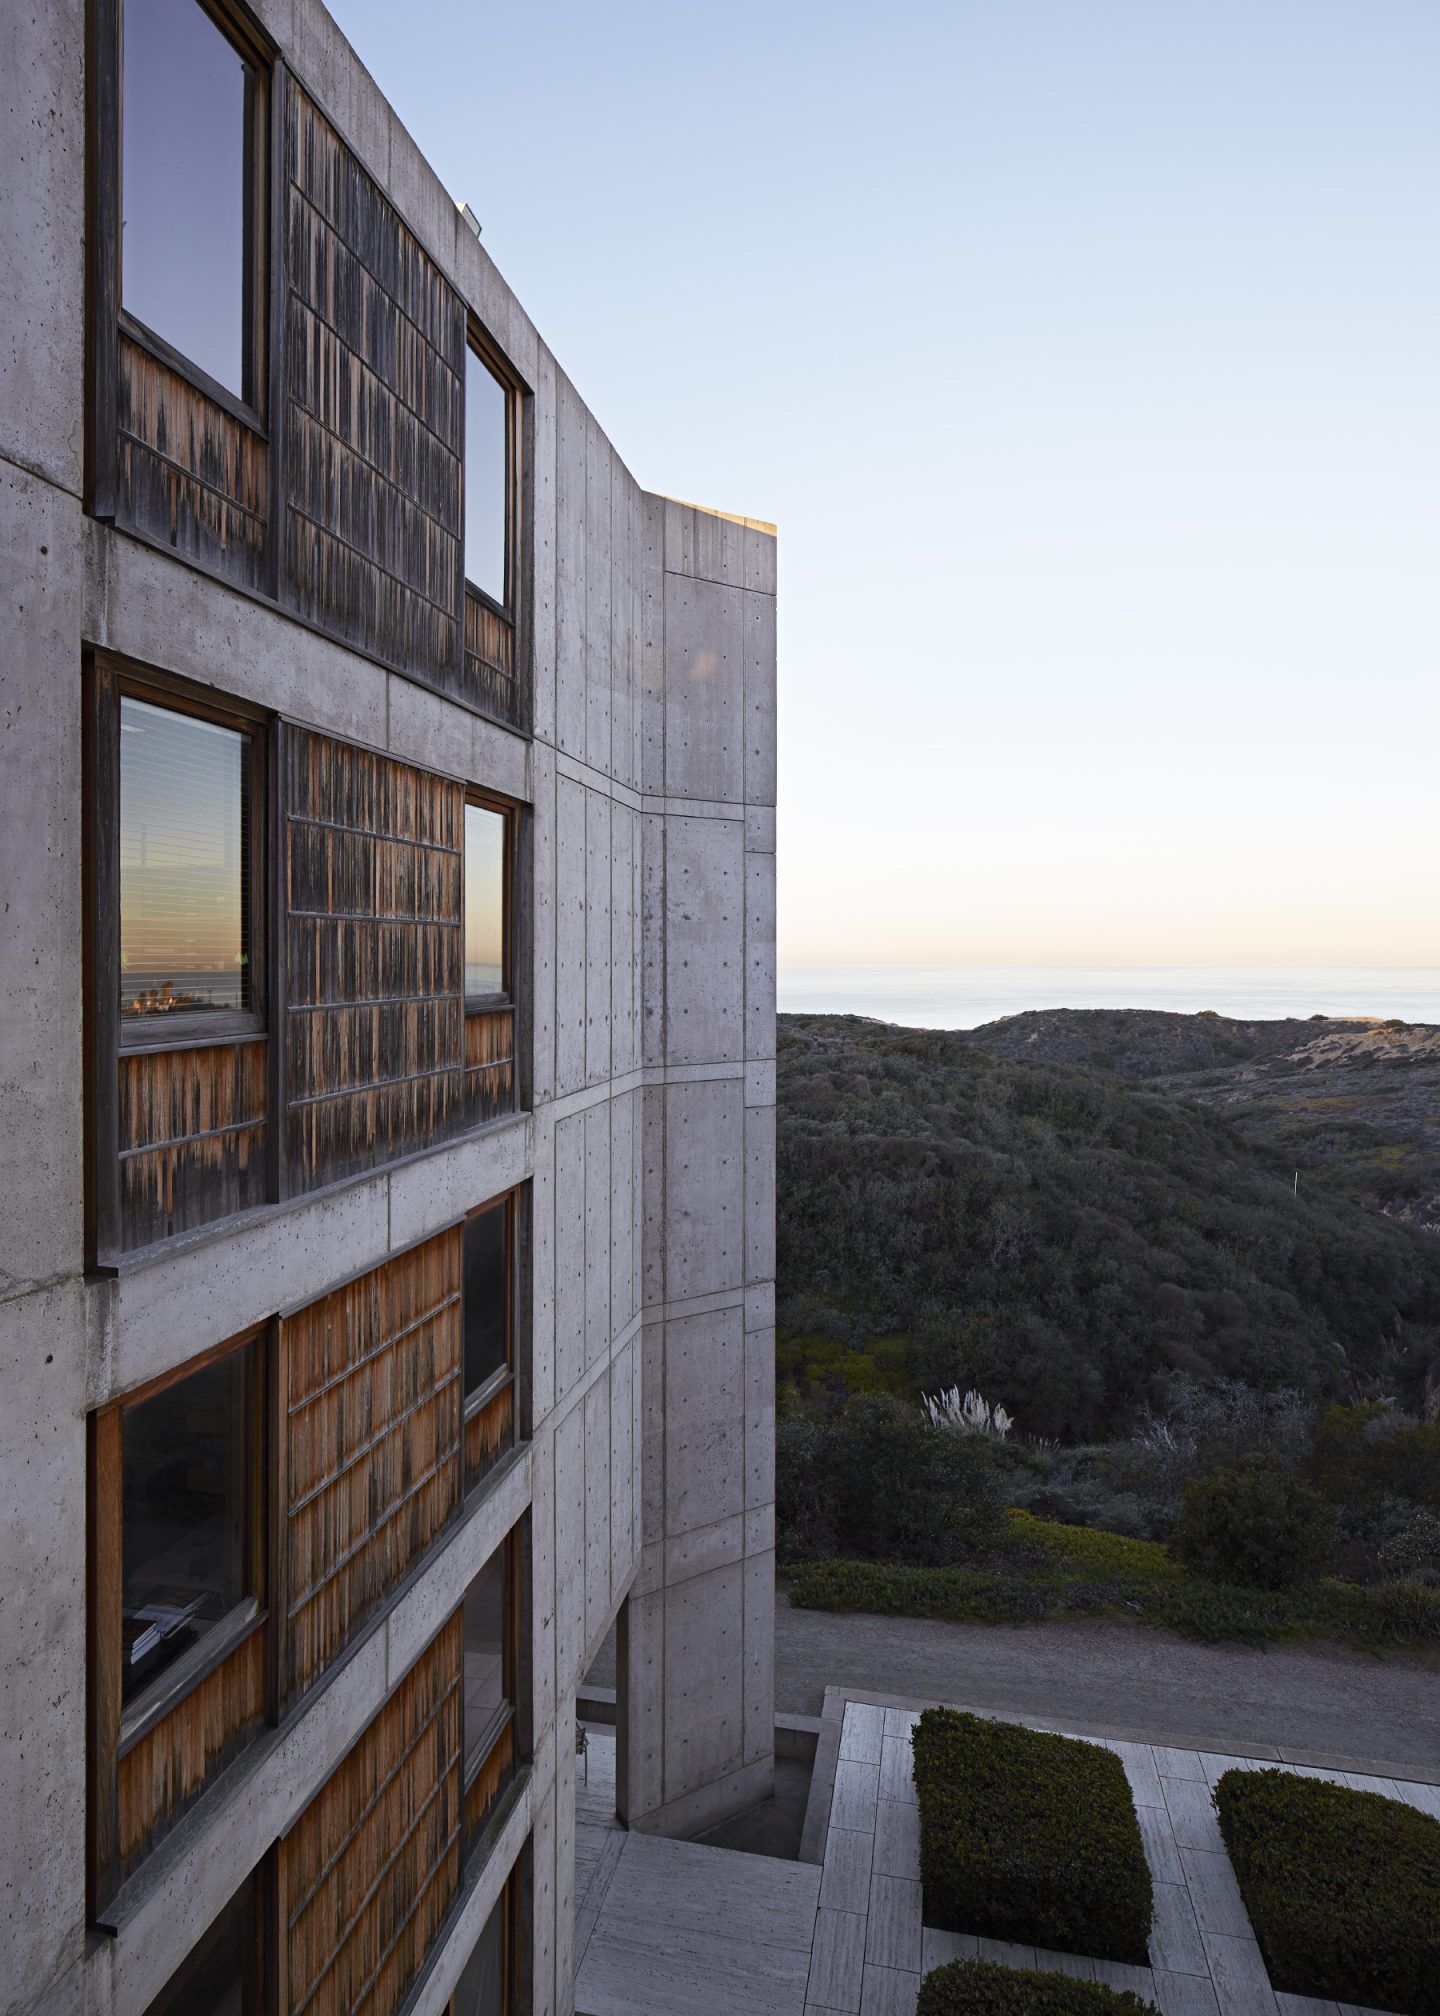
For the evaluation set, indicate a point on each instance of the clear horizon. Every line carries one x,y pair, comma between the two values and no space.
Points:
1084,355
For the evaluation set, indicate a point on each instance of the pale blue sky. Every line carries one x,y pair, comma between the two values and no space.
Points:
1088,357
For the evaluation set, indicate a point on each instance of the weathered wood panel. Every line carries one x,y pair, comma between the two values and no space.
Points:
172,1764
190,473
490,1064
373,436
377,1044
373,1864
490,682
192,1137
372,1415
489,1782
489,1432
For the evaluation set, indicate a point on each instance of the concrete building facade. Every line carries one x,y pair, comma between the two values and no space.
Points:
261,1218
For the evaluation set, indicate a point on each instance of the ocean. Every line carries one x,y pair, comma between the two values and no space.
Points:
964,997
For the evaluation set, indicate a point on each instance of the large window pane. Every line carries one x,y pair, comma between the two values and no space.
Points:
484,901
481,1991
182,239
484,1631
486,1295
217,1977
185,1506
184,863
486,485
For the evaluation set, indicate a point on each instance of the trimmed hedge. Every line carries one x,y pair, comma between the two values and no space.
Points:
1030,1838
1342,1888
980,1988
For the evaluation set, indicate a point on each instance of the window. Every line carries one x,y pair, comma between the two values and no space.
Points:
487,1294
489,464
487,888
488,1709
220,1976
484,1987
188,1516
185,867
188,122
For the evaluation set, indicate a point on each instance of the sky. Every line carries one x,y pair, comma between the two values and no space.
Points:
1085,353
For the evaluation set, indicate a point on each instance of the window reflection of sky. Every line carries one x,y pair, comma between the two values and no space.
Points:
484,900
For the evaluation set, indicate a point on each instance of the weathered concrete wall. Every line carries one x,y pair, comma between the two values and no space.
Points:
649,788
698,1681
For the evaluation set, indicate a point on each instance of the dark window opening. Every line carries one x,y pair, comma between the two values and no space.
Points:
185,868
482,1988
487,1678
487,480
220,1976
486,881
187,1513
487,1295
186,105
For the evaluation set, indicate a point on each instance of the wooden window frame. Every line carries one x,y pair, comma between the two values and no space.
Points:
251,405
484,1004
114,1728
108,679
479,344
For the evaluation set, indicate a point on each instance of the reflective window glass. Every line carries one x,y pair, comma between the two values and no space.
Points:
182,184
185,1458
184,863
486,1295
486,477
484,1632
482,1986
484,901
217,1978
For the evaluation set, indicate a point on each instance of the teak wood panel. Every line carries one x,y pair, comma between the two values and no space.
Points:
376,1042
489,1782
370,1869
374,420
371,1422
190,474
490,682
175,1760
489,1432
192,1137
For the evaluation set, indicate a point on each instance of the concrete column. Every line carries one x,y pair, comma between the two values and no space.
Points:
696,1655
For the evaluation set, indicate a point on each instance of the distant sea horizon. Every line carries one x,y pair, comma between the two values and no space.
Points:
965,997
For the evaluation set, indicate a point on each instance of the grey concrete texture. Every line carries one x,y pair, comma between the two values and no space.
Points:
1299,1705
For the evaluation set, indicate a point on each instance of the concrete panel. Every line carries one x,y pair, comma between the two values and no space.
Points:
622,1225
719,548
621,667
623,948
652,643
759,1582
570,567
571,966
42,1655
434,1190
542,1576
597,1231
622,1373
424,728
42,308
597,937
653,830
543,413
704,707
703,1187
652,1197
760,716
540,1371
570,1284
704,1641
598,463
759,955
704,1548
41,1122
565,1863
705,878
759,1193
597,1508
544,2001
652,1450
704,1418
542,840
759,1417
569,1548
760,560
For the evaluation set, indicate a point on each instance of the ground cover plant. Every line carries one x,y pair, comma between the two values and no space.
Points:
1029,1837
1342,1888
980,1988
1038,1570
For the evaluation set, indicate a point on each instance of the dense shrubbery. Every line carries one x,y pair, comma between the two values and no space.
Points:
1069,1244
1342,1888
1029,1837
981,1988
877,1480
1254,1524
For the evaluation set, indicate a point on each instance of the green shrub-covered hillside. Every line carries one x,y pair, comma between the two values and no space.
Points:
1030,1838
1342,1888
980,1988
1066,1241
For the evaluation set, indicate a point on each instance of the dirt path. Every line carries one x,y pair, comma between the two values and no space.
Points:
1328,1705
